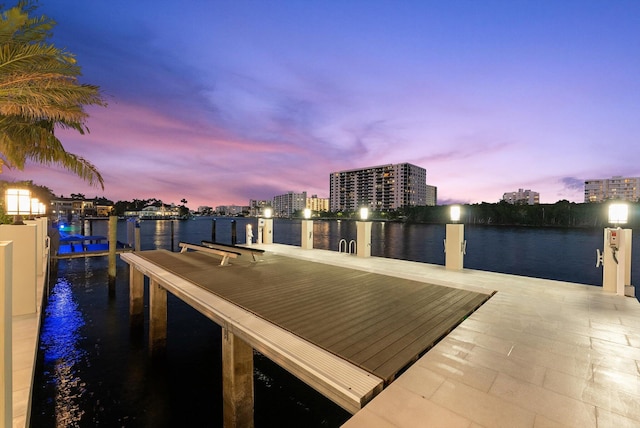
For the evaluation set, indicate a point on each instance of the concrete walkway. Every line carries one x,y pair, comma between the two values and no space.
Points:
539,353
25,336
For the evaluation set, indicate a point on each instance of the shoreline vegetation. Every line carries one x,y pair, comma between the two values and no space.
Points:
562,214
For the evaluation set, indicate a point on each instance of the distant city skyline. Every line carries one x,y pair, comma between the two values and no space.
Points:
221,102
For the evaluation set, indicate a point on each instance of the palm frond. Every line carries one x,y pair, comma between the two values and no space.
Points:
44,148
39,91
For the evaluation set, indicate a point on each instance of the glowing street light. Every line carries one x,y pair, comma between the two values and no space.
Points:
618,213
35,206
17,204
455,246
306,230
364,213
455,213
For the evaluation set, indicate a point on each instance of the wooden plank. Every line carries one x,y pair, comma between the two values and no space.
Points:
340,381
412,340
383,315
377,322
423,342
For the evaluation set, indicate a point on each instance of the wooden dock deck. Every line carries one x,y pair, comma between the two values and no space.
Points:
377,322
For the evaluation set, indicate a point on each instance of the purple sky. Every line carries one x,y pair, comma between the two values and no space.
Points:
219,102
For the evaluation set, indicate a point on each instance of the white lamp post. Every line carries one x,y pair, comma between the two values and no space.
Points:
265,227
306,231
455,213
616,256
363,234
35,207
618,214
24,268
17,203
249,233
455,246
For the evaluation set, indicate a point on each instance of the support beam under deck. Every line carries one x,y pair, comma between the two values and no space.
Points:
237,381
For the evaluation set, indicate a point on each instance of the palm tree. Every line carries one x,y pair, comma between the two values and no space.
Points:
39,92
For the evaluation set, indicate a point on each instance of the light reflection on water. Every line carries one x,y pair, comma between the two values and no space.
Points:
60,345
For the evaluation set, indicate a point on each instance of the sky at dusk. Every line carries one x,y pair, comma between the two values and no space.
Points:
220,102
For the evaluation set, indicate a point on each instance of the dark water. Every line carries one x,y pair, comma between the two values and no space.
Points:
94,370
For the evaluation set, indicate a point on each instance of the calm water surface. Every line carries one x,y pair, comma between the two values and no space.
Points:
94,369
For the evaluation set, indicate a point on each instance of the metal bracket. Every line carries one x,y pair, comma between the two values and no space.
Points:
599,257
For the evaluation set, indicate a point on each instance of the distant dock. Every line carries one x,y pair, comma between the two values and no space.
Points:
77,246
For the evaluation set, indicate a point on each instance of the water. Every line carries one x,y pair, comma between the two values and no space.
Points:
94,370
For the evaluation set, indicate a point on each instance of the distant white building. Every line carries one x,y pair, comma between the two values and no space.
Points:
154,212
257,206
287,204
522,197
232,210
617,187
432,196
380,188
204,209
314,203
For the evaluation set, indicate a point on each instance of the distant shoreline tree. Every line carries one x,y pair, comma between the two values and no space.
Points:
39,93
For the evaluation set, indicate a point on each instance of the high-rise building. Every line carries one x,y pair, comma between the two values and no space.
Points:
432,196
287,204
381,188
232,210
522,197
617,187
314,203
256,207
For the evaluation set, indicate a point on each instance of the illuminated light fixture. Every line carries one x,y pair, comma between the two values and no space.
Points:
17,204
267,212
455,213
35,206
307,213
618,213
364,213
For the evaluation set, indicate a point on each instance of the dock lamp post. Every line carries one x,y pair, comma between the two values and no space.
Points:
265,227
306,231
455,246
363,234
616,255
25,251
17,204
35,207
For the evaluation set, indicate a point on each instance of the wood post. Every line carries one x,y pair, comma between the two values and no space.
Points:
113,240
237,355
237,381
157,317
136,297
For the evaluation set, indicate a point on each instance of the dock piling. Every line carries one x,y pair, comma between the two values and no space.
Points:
172,235
234,236
136,298
237,381
113,239
157,318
